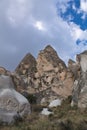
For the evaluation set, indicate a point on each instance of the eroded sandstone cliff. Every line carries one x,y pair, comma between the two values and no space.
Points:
47,74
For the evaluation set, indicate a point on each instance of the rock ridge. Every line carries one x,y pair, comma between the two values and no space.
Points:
48,78
50,73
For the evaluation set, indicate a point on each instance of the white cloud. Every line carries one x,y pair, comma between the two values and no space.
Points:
83,5
73,6
84,16
18,10
62,5
76,32
39,25
30,19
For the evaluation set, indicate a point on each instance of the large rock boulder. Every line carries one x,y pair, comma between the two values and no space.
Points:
80,85
12,104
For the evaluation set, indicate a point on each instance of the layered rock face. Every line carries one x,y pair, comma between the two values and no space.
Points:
18,81
27,66
46,76
80,85
75,68
3,71
48,60
26,72
12,104
54,73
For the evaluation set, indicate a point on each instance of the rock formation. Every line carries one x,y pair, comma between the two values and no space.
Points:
3,71
54,73
75,68
26,71
46,79
12,104
47,75
80,85
18,81
48,60
27,66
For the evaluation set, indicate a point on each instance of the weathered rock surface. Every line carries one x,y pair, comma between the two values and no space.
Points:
12,104
46,112
75,68
47,75
27,66
26,73
80,85
54,73
3,71
55,103
18,81
48,60
8,117
46,96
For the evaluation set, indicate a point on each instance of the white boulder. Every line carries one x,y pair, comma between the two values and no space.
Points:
46,112
12,103
55,103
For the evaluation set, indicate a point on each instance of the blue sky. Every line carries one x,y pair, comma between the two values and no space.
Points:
30,25
76,13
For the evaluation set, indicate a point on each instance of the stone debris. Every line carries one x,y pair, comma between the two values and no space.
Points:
46,112
55,103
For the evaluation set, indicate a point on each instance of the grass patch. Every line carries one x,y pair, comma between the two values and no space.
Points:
65,117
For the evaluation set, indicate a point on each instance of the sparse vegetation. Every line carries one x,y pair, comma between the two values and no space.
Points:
65,117
32,98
